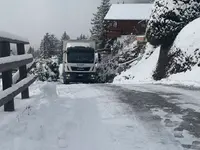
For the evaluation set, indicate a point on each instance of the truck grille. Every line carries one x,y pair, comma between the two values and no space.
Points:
80,69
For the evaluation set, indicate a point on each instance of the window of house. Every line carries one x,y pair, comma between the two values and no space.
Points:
115,24
110,24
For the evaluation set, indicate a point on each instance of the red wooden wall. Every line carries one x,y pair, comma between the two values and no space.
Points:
125,27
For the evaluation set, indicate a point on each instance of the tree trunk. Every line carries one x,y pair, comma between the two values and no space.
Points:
163,61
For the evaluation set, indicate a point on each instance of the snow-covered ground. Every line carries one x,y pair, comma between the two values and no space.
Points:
186,98
74,117
188,41
177,113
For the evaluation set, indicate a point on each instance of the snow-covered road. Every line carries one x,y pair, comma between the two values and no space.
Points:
81,117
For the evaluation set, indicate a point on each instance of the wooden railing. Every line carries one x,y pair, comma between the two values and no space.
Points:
7,63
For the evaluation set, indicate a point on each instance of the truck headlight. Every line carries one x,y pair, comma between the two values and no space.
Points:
68,76
92,76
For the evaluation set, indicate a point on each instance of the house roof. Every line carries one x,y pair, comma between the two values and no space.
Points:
129,12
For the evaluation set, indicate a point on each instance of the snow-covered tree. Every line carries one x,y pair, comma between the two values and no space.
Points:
64,37
123,53
82,37
47,69
37,54
44,46
49,46
54,43
99,25
169,17
31,51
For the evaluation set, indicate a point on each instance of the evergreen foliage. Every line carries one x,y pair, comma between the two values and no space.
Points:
99,25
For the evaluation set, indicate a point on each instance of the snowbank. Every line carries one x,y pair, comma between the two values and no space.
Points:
140,71
188,78
189,37
188,42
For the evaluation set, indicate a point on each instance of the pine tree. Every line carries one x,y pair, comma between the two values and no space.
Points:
99,25
49,46
82,37
45,46
64,37
54,45
37,53
31,51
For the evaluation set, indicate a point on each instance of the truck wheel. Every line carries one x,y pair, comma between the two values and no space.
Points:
65,82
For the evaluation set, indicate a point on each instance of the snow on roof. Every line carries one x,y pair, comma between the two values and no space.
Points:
84,43
5,36
129,12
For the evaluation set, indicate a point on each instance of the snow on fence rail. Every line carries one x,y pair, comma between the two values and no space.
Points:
7,63
11,38
16,76
9,93
12,62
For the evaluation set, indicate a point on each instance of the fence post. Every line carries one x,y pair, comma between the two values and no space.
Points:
7,75
22,70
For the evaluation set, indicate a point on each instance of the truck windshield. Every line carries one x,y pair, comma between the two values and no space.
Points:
80,56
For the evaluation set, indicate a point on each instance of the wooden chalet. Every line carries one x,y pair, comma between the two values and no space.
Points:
126,19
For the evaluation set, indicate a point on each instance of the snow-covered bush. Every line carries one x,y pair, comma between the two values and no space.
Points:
107,69
169,17
123,52
185,52
142,69
47,69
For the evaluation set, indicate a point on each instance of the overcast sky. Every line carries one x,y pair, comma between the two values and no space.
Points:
33,18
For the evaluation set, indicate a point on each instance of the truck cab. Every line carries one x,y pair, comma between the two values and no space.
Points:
79,63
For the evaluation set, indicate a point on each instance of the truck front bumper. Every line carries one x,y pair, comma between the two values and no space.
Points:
79,77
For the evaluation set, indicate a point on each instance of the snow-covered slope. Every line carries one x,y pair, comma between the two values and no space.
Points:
188,43
124,52
140,71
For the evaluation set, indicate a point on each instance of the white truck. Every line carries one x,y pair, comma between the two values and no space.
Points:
79,63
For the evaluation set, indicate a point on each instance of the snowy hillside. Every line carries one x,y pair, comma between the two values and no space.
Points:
186,60
187,42
124,52
140,71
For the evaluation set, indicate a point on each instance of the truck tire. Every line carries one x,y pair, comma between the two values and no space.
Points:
65,81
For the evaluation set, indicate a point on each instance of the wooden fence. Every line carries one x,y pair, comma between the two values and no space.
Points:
7,63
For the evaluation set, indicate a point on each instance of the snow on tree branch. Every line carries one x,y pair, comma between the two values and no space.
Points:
169,17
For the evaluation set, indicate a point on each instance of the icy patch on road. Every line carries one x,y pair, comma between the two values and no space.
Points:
185,98
127,131
172,122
